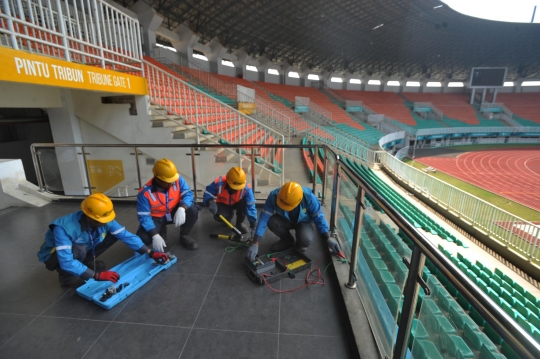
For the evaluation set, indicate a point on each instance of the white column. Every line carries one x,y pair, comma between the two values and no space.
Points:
65,128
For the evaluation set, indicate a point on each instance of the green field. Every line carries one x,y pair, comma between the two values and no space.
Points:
496,200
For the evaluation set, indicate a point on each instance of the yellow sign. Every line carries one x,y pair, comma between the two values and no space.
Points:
105,174
21,66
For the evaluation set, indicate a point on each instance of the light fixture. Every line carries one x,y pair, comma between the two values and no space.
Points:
273,72
376,27
227,63
438,6
166,47
392,83
355,81
433,84
336,79
412,84
455,84
313,77
530,83
508,84
294,74
374,82
251,68
199,55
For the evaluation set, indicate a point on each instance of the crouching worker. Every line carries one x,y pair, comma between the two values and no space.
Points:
73,243
291,207
166,199
230,193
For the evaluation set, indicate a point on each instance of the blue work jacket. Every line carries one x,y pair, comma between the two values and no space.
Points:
72,229
219,192
310,210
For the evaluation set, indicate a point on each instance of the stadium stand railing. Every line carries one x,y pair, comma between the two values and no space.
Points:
90,32
209,116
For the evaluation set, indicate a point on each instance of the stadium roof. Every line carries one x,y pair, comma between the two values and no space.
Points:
394,38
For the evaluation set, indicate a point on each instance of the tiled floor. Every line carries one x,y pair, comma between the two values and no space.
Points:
202,307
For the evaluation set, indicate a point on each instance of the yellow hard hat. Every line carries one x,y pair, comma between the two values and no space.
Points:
165,170
98,207
289,196
236,178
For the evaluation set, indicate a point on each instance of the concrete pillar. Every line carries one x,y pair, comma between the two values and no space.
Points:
150,22
65,128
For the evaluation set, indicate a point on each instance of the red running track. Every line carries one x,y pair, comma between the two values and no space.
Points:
511,173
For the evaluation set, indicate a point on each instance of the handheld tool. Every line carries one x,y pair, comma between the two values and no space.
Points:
238,233
234,238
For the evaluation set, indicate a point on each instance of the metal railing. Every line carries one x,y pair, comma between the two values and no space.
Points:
495,222
423,249
207,79
91,32
207,114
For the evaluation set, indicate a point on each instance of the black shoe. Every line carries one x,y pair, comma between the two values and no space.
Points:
282,244
188,242
68,280
242,227
100,266
301,249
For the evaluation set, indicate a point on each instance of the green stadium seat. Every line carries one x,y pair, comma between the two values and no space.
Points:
531,297
534,320
455,260
460,256
458,316
461,243
497,279
476,339
484,276
492,334
424,349
462,301
463,267
467,262
384,276
495,286
519,297
379,264
509,280
522,310
482,285
442,279
529,328
519,289
476,270
487,271
508,309
479,265
499,272
417,332
494,296
444,325
533,308
509,352
478,319
507,296
455,347
367,245
488,353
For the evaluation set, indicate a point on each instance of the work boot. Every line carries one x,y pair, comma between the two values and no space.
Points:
282,244
69,280
242,227
186,240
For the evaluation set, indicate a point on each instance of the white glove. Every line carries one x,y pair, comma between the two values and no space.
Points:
180,217
158,243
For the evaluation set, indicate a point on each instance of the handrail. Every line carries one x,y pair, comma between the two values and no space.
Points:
91,32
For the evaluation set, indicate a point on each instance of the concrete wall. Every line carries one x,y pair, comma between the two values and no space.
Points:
17,95
225,70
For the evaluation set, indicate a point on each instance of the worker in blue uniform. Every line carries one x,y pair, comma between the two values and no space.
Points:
73,243
291,207
166,199
230,193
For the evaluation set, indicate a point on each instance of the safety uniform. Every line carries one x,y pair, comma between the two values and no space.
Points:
242,200
69,241
155,209
281,222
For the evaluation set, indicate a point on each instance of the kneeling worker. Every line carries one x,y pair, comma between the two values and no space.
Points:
73,242
230,193
291,207
163,200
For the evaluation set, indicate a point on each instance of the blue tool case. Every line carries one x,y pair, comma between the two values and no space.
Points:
134,273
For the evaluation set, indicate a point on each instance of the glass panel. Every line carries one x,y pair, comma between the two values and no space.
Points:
112,171
331,164
50,170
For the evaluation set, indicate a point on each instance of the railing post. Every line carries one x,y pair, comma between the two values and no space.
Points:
98,31
138,167
335,200
315,172
194,173
13,38
37,167
325,174
87,175
410,294
351,284
253,170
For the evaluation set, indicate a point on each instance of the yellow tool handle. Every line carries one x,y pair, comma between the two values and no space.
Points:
223,236
226,222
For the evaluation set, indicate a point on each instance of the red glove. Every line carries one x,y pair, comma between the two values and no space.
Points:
107,275
159,257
